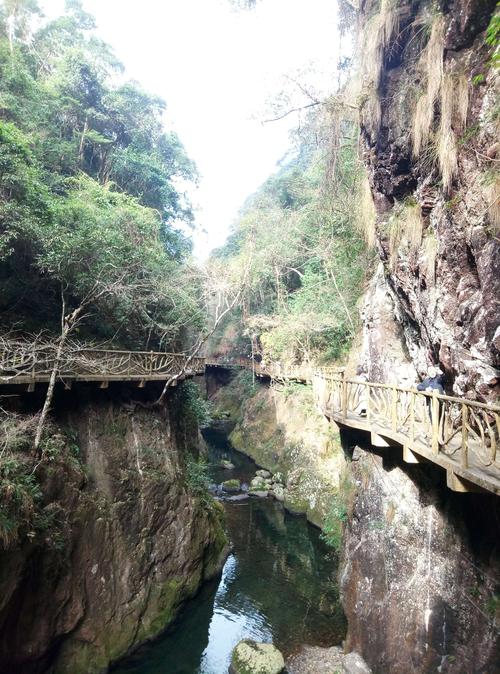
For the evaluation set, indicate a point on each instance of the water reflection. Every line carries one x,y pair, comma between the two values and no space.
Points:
278,585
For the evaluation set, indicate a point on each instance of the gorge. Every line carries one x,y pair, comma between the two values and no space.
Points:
141,391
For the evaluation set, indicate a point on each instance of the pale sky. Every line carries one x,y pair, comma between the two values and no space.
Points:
218,69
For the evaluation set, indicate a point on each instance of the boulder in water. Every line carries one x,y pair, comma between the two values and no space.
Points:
316,660
231,486
262,493
353,663
252,657
227,465
263,473
260,484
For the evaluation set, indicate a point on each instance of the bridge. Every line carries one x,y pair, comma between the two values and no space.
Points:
460,435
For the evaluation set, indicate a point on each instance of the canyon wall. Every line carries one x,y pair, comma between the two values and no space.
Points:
127,543
429,137
280,429
420,564
419,570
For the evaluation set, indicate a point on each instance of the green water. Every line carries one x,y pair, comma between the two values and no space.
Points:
277,585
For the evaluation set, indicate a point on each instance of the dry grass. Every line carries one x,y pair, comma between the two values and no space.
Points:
430,253
395,235
461,104
493,197
432,63
422,122
377,35
434,59
413,226
405,226
367,213
447,143
388,21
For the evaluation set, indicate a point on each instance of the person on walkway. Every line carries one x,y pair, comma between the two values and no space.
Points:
433,381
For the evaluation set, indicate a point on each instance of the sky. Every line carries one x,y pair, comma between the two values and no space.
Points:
221,72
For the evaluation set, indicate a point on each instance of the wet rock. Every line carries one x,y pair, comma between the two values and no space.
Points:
265,474
116,512
353,663
316,660
261,493
238,497
227,465
258,483
251,657
278,491
231,486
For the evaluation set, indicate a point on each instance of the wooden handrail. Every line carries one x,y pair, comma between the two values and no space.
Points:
461,434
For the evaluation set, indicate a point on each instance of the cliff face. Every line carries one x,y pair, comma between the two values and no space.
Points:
280,429
420,568
130,544
430,130
420,564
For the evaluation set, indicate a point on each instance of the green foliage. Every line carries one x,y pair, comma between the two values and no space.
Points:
493,36
19,498
88,202
246,384
493,605
196,410
298,242
197,479
333,526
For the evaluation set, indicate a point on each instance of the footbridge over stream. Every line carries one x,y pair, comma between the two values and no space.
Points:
460,435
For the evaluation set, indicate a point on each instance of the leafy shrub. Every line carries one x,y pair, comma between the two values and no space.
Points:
197,410
333,525
20,495
197,479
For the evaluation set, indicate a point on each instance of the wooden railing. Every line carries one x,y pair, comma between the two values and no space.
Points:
272,370
24,363
460,434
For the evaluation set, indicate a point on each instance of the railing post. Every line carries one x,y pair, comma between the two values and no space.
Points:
412,416
435,422
344,398
465,437
394,408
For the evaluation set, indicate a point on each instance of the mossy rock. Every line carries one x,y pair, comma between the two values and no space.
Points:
231,486
251,657
227,465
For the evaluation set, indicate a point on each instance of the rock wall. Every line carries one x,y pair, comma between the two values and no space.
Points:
438,209
419,570
421,564
280,429
128,543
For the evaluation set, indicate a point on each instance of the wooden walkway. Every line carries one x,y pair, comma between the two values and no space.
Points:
460,435
22,364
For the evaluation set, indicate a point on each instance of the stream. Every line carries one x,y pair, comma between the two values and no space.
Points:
278,584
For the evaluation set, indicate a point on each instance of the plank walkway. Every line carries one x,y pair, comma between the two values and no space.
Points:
460,435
